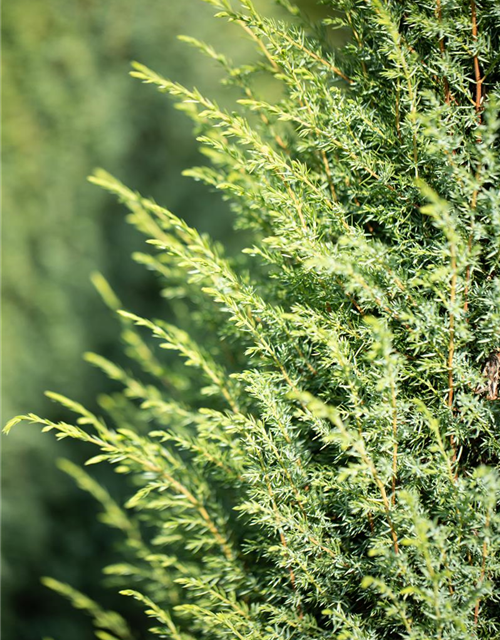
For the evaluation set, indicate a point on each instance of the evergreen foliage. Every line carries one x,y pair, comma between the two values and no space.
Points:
319,455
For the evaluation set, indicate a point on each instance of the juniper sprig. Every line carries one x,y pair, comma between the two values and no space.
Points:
319,456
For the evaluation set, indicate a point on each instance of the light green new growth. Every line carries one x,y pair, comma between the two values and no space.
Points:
318,456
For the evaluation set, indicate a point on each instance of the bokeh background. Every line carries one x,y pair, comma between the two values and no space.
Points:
69,106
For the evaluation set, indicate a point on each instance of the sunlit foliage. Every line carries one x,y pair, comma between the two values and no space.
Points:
325,461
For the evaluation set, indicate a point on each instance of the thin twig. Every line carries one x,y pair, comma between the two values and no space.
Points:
451,344
478,106
395,445
477,70
447,93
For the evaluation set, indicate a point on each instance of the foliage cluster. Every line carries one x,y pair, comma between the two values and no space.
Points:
323,461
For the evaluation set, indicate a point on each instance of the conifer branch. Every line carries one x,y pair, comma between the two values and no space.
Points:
295,462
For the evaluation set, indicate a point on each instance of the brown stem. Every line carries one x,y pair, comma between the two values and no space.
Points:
385,500
451,344
447,93
259,43
395,446
370,520
477,70
478,106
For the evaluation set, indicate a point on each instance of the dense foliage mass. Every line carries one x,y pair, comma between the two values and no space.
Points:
326,465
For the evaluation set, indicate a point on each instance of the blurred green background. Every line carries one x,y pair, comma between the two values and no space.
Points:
69,106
